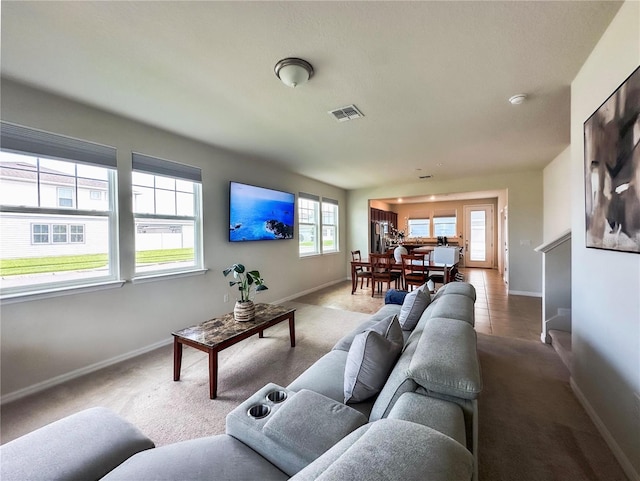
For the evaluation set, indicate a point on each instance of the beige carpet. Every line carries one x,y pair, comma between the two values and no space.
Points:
143,391
532,428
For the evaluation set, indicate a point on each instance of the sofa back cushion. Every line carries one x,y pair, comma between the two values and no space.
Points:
446,359
392,449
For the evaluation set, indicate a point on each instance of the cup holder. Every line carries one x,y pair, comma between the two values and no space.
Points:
258,411
277,397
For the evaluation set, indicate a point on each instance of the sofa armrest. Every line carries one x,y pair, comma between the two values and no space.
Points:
84,446
292,433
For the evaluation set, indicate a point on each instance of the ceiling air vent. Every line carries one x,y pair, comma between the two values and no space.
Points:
428,176
349,112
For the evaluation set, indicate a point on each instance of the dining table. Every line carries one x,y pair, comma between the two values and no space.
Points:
366,265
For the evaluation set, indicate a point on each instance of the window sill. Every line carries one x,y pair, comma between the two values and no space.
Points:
167,275
60,291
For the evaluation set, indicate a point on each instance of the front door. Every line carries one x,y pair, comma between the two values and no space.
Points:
478,235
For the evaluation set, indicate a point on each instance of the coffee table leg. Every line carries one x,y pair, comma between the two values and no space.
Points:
292,329
177,358
213,374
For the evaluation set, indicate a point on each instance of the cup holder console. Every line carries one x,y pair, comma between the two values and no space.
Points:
258,411
277,396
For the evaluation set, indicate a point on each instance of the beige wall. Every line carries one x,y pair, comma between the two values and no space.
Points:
523,197
45,341
606,284
557,196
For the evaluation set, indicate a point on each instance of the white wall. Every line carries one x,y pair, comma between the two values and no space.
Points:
524,192
606,284
557,195
51,338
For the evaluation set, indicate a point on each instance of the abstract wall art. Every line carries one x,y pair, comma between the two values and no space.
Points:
612,170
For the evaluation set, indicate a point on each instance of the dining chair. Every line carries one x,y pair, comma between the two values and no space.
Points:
362,273
449,256
415,272
382,272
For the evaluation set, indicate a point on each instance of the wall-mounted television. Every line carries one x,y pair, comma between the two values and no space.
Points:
258,213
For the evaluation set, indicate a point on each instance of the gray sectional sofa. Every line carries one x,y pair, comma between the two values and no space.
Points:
395,399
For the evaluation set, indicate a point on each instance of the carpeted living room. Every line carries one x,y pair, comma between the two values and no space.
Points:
149,151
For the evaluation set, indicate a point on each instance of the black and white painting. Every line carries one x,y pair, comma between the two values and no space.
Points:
612,170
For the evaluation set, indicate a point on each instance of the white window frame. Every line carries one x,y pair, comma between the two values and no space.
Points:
72,234
40,144
55,227
314,201
40,234
335,224
170,169
60,197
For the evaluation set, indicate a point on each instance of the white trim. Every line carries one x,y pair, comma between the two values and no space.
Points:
625,463
80,372
168,275
552,244
524,293
60,291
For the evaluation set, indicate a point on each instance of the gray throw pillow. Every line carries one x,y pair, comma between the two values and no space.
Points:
389,328
412,308
370,359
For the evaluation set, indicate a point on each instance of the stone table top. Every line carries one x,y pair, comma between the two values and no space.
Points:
221,329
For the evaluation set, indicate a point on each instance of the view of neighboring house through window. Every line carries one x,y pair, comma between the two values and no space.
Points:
418,227
55,232
167,211
310,223
444,224
329,225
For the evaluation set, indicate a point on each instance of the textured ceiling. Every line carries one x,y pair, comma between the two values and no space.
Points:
432,78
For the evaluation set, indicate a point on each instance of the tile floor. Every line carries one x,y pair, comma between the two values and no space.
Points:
496,312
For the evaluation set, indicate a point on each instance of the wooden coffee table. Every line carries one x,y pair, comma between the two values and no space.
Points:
219,333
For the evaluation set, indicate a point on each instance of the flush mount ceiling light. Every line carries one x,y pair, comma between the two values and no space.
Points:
518,99
293,71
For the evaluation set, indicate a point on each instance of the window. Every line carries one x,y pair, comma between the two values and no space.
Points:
308,224
167,206
76,234
316,217
418,227
329,225
40,233
52,236
59,235
65,197
444,224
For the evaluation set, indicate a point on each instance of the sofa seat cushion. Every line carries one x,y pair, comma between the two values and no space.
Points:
84,446
443,416
446,359
392,450
221,457
325,376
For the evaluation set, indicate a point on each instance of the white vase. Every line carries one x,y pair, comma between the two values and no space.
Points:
244,311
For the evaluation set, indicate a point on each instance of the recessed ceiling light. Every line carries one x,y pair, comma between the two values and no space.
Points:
518,99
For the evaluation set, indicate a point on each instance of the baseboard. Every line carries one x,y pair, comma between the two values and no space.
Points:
626,465
525,293
41,386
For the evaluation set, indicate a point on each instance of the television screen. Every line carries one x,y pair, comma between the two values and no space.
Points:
257,213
